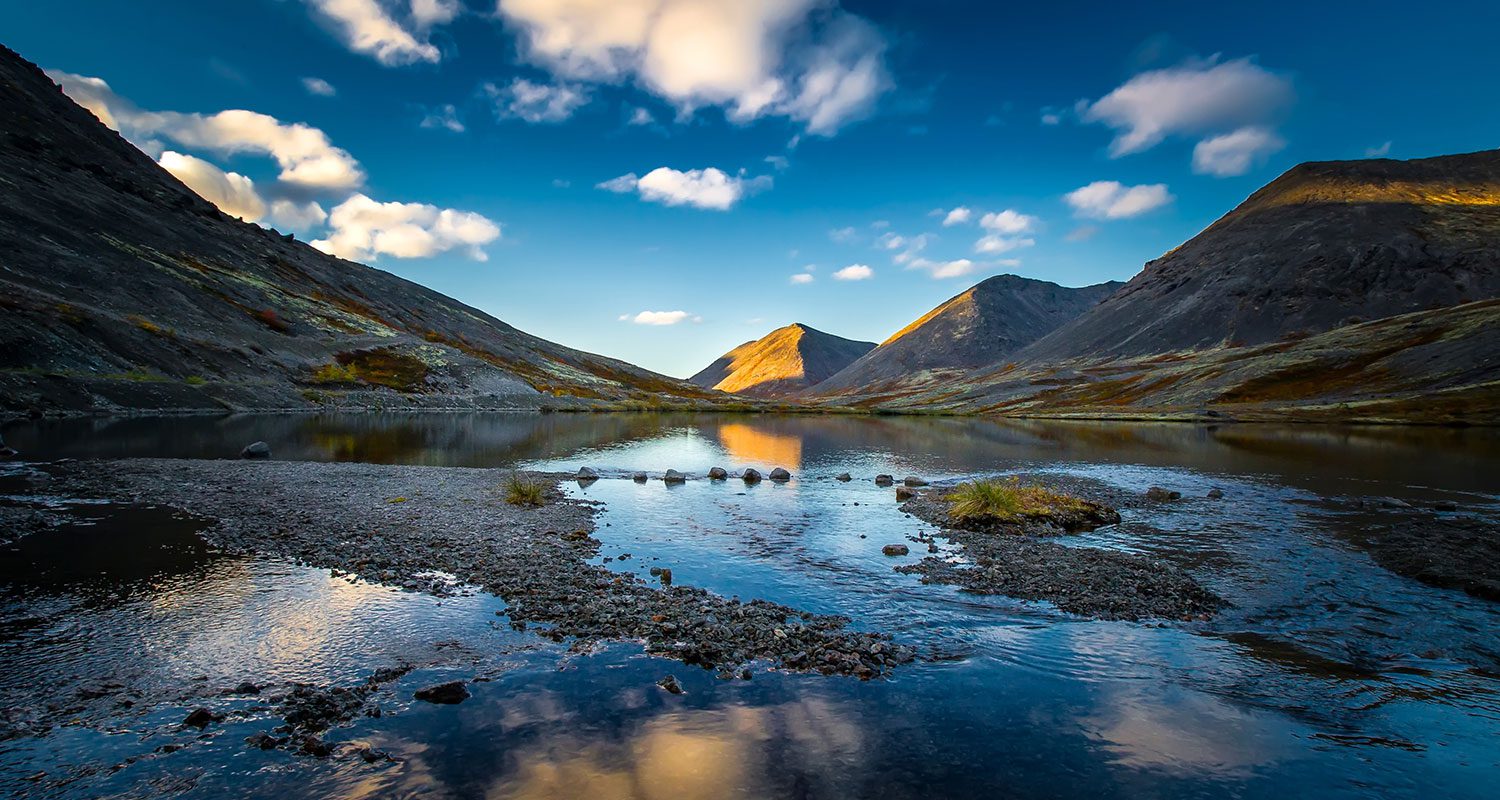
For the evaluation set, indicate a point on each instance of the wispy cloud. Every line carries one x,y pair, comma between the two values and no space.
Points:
659,317
1115,200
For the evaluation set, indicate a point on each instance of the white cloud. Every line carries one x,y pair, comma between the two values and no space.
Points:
536,102
914,246
710,188
367,26
233,193
844,235
445,117
802,277
640,117
1114,200
1198,98
1051,118
957,216
854,272
807,60
994,243
945,269
362,229
658,317
1008,222
1378,152
890,241
319,87
297,216
780,163
1236,152
304,153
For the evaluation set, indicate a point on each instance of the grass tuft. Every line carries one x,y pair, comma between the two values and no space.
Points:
521,492
1006,500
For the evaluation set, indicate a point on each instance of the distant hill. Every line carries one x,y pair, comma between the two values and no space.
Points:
122,289
783,362
982,325
1326,244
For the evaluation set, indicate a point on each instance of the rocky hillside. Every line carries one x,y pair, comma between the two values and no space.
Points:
984,325
1324,245
783,362
121,289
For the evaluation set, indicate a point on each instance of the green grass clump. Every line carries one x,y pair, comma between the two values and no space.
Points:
194,380
520,492
1006,500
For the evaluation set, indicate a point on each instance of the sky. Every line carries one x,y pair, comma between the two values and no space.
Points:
662,180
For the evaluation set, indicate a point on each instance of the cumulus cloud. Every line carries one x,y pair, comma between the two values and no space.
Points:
445,117
536,102
1236,152
1005,229
854,272
890,241
802,277
304,153
912,247
807,60
944,269
297,216
319,87
371,27
1115,200
362,229
233,193
1199,99
956,216
658,317
709,188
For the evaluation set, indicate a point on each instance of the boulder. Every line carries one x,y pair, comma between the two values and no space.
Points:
751,476
884,480
780,474
673,476
256,450
1215,494
639,477
895,550
912,480
448,693
1159,494
904,493
670,684
200,718
586,474
717,473
665,576
844,477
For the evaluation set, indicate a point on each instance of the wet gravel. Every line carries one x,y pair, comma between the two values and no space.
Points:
1449,552
436,528
1018,561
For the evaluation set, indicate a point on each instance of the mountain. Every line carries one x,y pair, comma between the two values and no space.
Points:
783,362
122,289
983,325
1324,245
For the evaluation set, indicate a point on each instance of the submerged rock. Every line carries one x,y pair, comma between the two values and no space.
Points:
1215,494
912,480
751,476
884,480
670,684
256,450
780,475
844,477
639,477
718,473
673,476
450,693
895,550
200,718
1158,494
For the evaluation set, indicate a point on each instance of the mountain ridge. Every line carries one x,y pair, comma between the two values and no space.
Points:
788,360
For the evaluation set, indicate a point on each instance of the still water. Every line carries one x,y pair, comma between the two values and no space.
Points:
1329,676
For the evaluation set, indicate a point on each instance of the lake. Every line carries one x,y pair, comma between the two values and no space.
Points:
1328,675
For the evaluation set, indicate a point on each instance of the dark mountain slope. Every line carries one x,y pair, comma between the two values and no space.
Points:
1323,245
983,325
784,361
120,288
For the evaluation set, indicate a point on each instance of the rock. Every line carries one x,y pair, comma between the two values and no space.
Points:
8,452
912,480
895,550
666,576
751,476
844,476
670,684
1391,502
245,687
449,693
655,571
884,480
263,741
256,450
586,474
1215,494
780,475
717,473
1159,494
639,477
904,493
200,718
673,476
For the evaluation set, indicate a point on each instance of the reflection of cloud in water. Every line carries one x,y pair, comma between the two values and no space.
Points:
687,755
752,446
1183,733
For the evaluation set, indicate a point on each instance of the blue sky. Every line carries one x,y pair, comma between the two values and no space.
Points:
782,138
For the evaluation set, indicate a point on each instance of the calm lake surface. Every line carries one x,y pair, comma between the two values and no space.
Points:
1330,676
